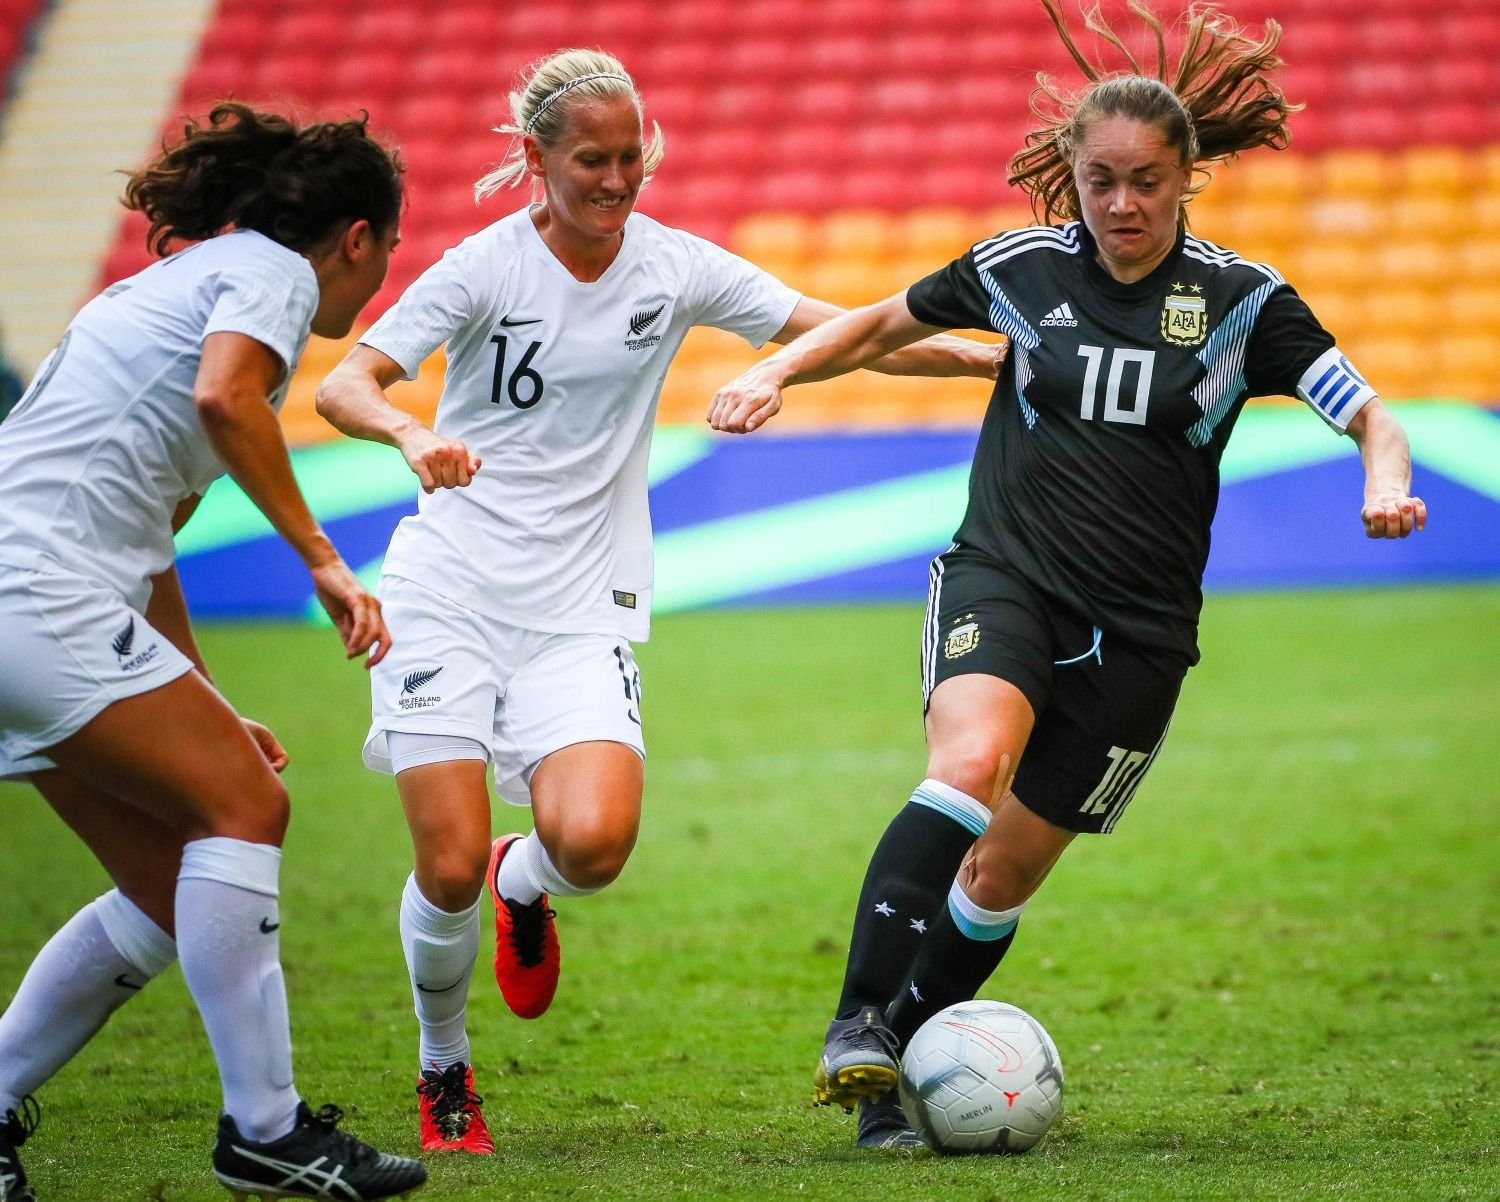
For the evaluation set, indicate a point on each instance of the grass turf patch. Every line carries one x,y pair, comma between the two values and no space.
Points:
1275,980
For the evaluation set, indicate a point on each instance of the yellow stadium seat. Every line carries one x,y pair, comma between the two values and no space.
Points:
1261,230
1472,308
1427,215
1464,366
851,282
938,235
1405,312
1487,160
1436,171
1002,219
1484,212
774,238
1395,366
1418,262
1355,173
1329,263
857,233
1342,216
1285,178
1342,312
1480,260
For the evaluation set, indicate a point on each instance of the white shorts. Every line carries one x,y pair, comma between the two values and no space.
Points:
70,647
521,693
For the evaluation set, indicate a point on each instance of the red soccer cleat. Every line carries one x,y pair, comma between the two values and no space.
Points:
527,956
451,1117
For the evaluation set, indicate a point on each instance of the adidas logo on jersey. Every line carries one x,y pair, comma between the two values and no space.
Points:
1060,316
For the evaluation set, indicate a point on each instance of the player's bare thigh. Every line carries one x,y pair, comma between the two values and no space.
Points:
181,754
977,727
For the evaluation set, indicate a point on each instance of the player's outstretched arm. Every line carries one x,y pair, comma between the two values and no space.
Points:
832,348
352,399
1389,511
937,355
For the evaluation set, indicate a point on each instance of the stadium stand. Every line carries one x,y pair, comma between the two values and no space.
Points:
850,146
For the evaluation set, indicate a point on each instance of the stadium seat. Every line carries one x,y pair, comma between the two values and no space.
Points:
934,235
783,238
867,234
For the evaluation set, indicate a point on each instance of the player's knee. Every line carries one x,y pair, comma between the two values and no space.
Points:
256,812
973,769
595,855
452,878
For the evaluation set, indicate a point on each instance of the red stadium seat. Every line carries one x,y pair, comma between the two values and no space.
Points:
306,30
389,26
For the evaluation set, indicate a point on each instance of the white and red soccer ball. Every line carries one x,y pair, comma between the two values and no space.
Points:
981,1076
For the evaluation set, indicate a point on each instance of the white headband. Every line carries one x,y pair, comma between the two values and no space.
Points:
568,87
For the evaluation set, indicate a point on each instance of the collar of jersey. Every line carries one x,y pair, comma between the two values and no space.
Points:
1145,286
627,244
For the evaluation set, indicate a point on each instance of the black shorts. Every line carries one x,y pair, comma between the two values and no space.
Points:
1102,704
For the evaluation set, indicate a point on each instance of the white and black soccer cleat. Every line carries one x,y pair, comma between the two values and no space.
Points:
315,1160
14,1128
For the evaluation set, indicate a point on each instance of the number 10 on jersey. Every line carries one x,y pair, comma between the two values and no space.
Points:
524,386
1119,359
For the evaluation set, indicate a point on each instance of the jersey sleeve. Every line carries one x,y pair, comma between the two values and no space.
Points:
1291,354
731,293
436,306
953,297
270,297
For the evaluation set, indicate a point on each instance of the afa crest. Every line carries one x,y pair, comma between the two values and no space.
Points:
961,640
1184,319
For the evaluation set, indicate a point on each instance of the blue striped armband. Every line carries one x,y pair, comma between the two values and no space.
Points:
1334,388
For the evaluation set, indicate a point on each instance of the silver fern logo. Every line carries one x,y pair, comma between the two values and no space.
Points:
418,680
638,339
125,640
645,319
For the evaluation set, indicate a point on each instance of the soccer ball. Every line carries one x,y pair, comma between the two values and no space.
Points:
981,1076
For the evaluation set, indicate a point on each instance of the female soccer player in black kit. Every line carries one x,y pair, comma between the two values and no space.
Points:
1063,619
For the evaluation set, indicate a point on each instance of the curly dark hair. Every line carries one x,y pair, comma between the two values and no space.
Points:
1216,102
261,171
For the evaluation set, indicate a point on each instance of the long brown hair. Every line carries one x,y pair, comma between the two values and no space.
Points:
260,171
1217,101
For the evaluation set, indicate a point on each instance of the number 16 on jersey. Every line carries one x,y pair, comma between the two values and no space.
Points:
523,376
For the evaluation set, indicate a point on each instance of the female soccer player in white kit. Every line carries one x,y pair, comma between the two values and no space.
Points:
517,590
158,386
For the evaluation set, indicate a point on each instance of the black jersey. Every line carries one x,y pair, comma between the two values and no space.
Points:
1097,471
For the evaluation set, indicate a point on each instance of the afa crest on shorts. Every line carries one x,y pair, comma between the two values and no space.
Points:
961,640
1184,318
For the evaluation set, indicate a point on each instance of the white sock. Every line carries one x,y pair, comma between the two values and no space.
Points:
227,919
527,872
440,949
100,959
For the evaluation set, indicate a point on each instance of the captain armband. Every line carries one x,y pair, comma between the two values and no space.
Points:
1334,389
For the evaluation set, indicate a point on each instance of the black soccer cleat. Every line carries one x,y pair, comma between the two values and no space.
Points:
316,1160
14,1128
882,1124
860,1057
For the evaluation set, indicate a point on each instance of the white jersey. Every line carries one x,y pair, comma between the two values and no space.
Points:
553,384
106,443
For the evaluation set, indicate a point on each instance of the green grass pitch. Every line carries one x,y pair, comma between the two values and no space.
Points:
1279,979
